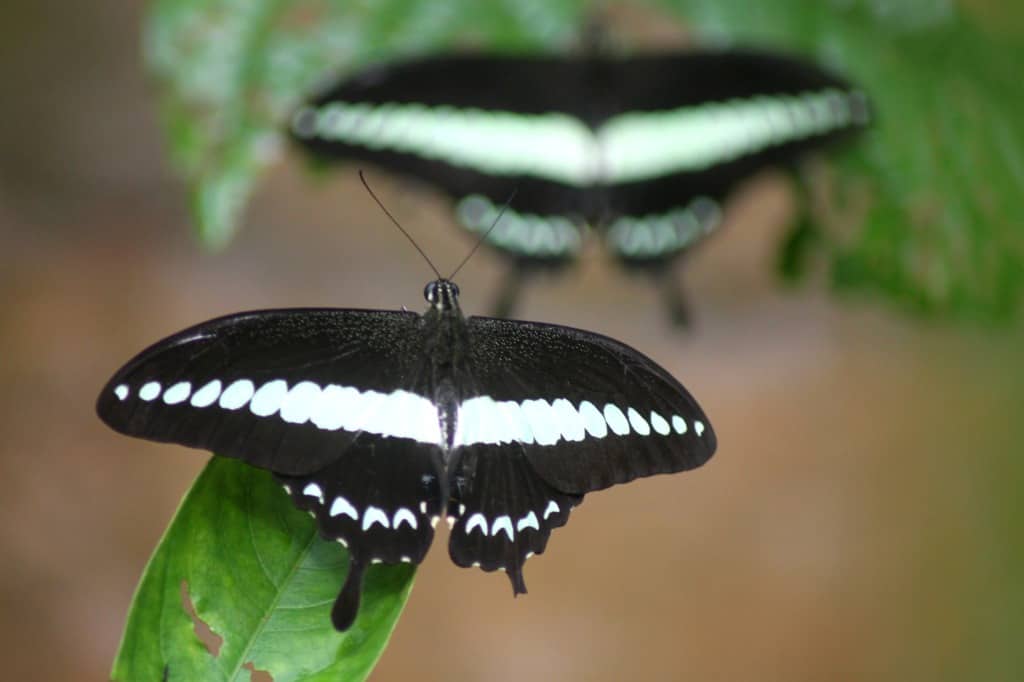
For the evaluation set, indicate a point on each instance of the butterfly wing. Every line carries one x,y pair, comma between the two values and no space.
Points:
552,413
332,401
692,126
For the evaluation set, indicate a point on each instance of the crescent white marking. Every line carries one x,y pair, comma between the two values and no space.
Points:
504,523
552,508
406,516
343,506
528,521
476,521
313,490
374,515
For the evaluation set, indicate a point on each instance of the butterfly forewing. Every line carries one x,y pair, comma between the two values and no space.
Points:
589,411
284,390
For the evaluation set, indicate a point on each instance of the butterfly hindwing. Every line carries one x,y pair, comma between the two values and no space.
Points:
381,499
503,511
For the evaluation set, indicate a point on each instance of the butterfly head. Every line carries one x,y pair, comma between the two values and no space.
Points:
442,294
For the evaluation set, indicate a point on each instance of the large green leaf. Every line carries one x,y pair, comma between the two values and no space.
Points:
934,217
259,577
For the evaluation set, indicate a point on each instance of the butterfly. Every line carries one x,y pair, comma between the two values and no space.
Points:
379,423
644,149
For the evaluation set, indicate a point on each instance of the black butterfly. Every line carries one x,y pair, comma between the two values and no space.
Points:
381,422
643,148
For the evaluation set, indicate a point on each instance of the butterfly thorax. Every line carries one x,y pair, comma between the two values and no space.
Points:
446,341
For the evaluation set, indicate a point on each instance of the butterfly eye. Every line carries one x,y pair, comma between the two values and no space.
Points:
430,292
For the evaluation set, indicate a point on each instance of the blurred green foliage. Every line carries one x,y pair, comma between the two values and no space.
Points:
259,576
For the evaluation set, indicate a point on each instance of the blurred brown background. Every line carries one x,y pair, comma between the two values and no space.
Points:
857,523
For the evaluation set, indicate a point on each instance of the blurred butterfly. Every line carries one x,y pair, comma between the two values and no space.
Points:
644,149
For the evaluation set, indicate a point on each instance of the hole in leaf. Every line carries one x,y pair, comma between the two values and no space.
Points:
206,635
258,675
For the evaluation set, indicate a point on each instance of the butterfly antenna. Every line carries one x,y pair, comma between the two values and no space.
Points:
484,236
401,229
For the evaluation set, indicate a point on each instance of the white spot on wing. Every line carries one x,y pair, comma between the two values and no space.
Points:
659,424
121,391
616,420
541,419
333,407
528,521
552,508
237,394
406,516
374,515
300,402
343,506
504,523
484,420
679,424
313,490
698,427
149,391
476,521
178,393
593,421
206,395
638,423
569,420
268,398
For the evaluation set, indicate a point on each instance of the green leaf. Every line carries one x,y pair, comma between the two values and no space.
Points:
260,578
